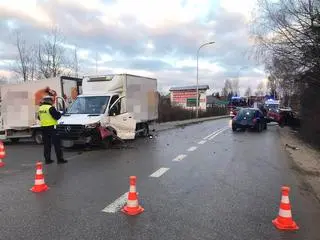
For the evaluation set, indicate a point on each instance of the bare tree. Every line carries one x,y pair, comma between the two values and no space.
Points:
260,89
235,86
248,92
76,63
272,86
287,30
3,80
51,59
287,34
227,89
26,65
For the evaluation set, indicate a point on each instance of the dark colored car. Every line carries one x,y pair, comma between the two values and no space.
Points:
249,118
288,118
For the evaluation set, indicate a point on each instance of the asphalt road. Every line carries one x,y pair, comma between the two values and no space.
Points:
227,186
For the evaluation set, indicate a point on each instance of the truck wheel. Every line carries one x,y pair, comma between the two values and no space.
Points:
145,132
38,138
14,140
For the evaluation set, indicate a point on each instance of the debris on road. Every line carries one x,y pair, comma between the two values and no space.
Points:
292,147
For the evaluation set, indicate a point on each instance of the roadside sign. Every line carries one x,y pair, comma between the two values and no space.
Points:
191,100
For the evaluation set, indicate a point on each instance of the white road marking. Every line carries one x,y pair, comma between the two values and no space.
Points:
159,172
205,138
221,131
179,158
202,142
191,149
117,204
213,136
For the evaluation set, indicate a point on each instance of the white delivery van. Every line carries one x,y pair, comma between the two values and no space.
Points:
20,103
112,106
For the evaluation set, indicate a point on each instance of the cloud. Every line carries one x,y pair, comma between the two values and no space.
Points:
156,38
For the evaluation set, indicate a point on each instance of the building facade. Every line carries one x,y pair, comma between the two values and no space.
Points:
185,97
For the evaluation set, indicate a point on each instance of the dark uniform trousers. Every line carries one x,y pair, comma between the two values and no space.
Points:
50,136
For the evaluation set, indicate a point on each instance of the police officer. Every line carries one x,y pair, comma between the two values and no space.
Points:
48,116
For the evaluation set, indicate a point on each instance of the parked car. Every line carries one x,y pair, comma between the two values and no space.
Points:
252,118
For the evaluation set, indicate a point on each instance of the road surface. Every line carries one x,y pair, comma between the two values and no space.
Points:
198,182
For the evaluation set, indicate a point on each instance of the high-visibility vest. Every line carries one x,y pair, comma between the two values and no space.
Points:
45,117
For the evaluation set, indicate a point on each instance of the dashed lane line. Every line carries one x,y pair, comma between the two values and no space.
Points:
221,131
159,172
117,204
202,142
206,137
191,149
179,158
212,134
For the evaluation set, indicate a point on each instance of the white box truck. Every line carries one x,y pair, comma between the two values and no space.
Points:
20,103
112,106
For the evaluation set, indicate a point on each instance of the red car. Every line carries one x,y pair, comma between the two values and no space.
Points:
274,115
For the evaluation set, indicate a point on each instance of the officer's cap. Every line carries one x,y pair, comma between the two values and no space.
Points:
47,98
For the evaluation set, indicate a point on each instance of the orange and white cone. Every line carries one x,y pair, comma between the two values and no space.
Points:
2,154
132,207
39,184
284,220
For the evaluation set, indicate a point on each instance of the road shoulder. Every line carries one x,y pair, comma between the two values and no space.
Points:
305,159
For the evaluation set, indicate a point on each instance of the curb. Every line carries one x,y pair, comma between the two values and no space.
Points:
174,124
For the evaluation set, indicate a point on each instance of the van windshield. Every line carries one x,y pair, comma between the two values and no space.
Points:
89,105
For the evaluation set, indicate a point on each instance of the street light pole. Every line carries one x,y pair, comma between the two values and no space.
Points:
197,97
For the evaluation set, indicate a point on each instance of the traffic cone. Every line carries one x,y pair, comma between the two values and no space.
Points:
132,207
2,154
39,184
284,220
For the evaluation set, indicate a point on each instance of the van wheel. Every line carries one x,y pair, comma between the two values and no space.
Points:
38,138
146,130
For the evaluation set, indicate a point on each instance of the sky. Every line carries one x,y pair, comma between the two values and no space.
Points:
144,37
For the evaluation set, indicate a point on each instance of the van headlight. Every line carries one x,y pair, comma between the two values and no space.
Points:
93,125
